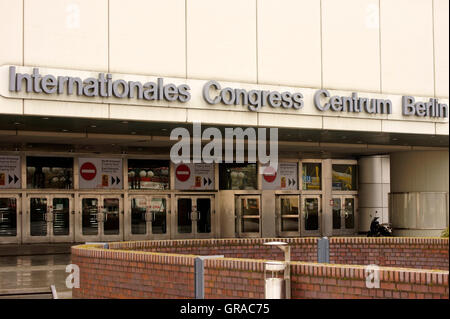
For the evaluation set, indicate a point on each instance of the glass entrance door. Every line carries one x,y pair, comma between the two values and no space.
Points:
344,214
194,217
148,217
288,215
10,212
248,216
49,218
312,215
100,218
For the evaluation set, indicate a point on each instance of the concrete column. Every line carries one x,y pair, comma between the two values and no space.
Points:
268,214
327,209
374,187
419,193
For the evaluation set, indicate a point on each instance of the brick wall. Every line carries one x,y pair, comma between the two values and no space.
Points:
245,279
126,274
151,269
409,252
304,249
341,281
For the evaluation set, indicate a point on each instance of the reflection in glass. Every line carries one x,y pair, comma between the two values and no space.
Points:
49,172
138,211
184,215
61,216
158,208
336,213
111,222
204,214
38,213
250,215
311,213
238,176
8,217
344,177
250,225
148,174
289,213
311,176
250,206
89,216
349,211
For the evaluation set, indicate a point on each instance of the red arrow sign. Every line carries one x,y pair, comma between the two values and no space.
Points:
183,173
88,171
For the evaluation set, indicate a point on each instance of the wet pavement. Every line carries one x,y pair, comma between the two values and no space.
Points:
28,271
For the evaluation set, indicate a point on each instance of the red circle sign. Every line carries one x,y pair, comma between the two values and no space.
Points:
183,173
269,174
88,171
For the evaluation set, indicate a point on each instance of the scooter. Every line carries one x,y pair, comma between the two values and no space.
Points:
379,230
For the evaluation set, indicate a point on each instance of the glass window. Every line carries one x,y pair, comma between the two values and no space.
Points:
50,172
238,176
8,217
148,174
312,176
344,177
289,213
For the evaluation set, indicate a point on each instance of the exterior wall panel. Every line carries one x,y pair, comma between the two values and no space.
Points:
289,42
407,47
221,40
148,37
441,46
351,49
66,34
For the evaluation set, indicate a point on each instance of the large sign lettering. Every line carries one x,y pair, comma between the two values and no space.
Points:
104,86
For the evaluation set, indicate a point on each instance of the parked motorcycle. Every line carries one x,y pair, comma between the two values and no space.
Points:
379,230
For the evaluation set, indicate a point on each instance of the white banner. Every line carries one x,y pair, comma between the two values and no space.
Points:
105,173
285,178
194,176
10,172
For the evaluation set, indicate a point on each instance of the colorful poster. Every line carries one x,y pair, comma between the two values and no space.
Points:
285,178
10,172
193,176
105,173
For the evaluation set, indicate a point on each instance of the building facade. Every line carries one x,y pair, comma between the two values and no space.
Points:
91,91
